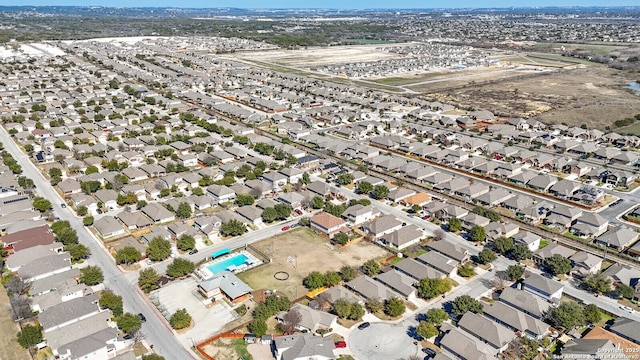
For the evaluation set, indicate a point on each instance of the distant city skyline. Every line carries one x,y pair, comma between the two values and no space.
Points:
328,4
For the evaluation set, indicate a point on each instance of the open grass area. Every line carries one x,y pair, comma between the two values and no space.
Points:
536,61
633,129
371,41
311,252
603,320
228,349
543,243
601,49
9,347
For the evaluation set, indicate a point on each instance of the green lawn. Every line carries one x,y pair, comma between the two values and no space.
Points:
543,243
574,237
604,319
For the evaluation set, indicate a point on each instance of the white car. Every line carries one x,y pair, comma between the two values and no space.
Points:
627,309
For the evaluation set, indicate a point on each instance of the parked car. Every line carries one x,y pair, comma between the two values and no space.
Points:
63,205
341,344
194,251
364,325
142,317
286,228
429,351
627,309
298,211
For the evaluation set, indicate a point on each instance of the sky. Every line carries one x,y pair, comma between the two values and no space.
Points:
333,4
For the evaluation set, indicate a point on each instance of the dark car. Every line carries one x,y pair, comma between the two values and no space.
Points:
142,317
429,351
63,205
194,251
364,325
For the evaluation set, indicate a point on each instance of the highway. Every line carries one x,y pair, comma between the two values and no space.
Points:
155,330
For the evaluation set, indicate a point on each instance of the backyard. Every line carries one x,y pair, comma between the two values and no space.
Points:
9,347
311,252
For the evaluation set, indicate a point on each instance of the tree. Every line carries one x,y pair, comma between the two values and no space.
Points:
314,280
258,327
464,303
345,179
306,179
426,330
180,319
374,305
466,270
317,202
16,286
455,224
348,273
515,272
598,283
487,256
503,244
592,313
128,322
127,255
29,336
233,228
54,171
180,267
158,249
77,251
477,234
364,187
244,199
429,288
269,215
290,320
91,170
153,357
111,301
437,316
81,210
332,278
91,275
380,192
21,307
625,291
520,252
67,236
394,307
148,279
87,220
183,211
557,264
186,242
371,268
341,238
566,315
41,204
283,210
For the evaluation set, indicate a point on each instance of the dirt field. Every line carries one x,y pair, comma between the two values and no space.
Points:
9,347
319,56
312,255
593,96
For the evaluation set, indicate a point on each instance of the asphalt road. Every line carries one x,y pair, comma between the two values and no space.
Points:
155,330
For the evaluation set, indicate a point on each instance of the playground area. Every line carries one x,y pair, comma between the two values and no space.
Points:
300,251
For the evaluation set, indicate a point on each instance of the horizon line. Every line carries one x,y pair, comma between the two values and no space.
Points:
329,8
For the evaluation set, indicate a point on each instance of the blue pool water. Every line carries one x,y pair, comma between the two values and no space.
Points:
235,260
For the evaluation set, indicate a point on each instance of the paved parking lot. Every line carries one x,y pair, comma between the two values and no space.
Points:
382,342
207,321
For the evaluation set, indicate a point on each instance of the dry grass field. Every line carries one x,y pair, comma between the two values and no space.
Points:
9,347
312,255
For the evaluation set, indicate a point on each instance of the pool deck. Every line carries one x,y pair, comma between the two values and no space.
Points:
204,273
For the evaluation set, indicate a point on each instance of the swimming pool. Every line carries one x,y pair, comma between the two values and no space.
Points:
228,264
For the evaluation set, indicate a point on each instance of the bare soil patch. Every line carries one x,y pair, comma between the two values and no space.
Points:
311,254
593,95
9,347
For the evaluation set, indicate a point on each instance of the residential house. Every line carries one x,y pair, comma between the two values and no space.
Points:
618,238
472,219
516,320
498,336
590,225
627,328
547,289
328,224
108,226
526,302
542,254
67,313
403,237
398,282
531,240
496,229
451,250
370,289
251,213
221,194
358,214
442,263
304,347
108,198
585,263
25,239
464,346
628,347
224,285
383,225
587,348
275,179
158,213
310,319
417,270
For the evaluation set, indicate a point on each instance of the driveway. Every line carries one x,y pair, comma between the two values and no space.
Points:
382,341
